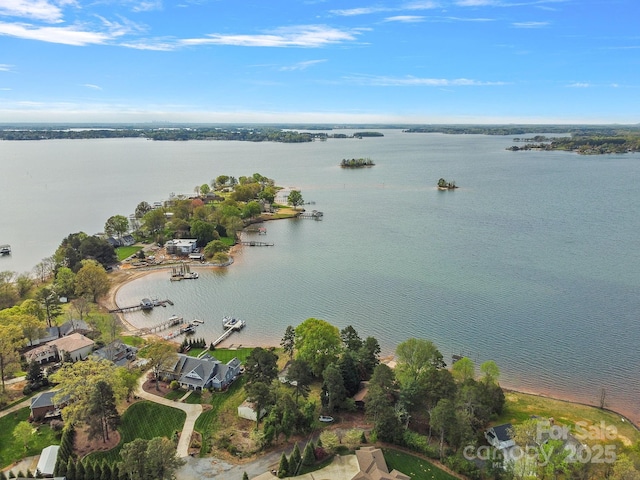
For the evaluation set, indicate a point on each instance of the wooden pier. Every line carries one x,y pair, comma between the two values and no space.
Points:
229,327
145,304
251,243
172,321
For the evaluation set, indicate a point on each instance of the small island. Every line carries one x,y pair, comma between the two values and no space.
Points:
356,163
444,185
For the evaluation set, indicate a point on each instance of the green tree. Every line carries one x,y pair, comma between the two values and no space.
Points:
204,232
352,438
283,466
213,247
65,283
142,209
92,280
308,454
161,355
78,381
50,304
349,372
443,419
102,413
204,189
318,343
23,433
416,357
251,209
295,199
261,395
299,375
116,225
161,459
134,459
261,366
490,371
11,340
154,220
369,356
330,441
288,341
295,460
334,388
463,370
351,339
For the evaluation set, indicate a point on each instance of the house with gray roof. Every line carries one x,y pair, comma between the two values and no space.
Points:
117,352
205,372
44,406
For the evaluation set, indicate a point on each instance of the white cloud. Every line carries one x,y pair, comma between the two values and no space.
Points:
297,36
33,9
150,44
477,3
530,24
64,35
5,67
302,65
92,86
405,19
410,81
350,12
579,85
148,6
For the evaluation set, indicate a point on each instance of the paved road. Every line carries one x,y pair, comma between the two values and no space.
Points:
193,411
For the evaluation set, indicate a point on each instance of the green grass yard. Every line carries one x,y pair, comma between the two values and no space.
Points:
417,468
145,420
10,450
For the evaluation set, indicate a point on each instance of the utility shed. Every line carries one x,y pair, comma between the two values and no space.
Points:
47,461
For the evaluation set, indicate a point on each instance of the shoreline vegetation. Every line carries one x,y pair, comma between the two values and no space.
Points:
582,139
356,163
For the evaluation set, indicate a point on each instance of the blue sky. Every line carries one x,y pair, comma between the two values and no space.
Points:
433,61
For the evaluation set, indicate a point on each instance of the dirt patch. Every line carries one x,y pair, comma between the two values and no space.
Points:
82,445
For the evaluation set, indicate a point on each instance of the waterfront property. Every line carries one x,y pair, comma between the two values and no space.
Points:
499,436
117,352
76,345
200,373
44,406
181,246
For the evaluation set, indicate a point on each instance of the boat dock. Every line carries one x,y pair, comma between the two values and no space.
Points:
183,272
230,325
185,328
145,304
314,214
252,243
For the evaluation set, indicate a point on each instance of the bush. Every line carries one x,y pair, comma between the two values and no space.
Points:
174,385
419,443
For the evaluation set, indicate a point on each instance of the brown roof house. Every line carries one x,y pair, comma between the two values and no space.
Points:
76,345
42,354
374,467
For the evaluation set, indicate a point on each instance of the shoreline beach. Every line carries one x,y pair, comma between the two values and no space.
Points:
122,277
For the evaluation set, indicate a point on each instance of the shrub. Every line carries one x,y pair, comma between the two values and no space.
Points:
174,385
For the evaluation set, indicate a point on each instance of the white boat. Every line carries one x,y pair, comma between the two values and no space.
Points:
5,249
231,322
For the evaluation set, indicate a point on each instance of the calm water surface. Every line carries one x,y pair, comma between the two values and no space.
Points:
532,262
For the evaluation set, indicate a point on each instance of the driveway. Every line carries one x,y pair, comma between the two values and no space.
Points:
193,411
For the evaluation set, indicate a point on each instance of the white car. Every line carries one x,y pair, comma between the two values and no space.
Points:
325,418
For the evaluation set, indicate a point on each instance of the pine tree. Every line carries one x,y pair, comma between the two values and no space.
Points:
308,456
89,471
283,468
80,471
107,471
363,438
71,469
245,476
294,460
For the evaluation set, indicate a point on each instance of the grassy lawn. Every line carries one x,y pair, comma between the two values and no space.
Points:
145,420
10,450
132,341
207,424
224,355
521,406
124,252
416,468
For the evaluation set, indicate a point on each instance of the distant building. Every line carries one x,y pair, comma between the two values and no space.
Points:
47,461
374,467
181,246
117,352
43,405
200,373
76,345
247,410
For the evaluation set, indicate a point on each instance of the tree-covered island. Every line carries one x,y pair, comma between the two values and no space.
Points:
445,185
356,163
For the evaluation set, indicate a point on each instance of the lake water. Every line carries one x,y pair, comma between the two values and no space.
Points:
533,262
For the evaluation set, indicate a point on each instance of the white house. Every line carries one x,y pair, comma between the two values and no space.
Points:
76,345
181,246
247,410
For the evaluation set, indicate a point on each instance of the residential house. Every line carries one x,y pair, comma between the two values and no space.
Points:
181,246
124,241
200,373
374,467
42,354
499,436
57,331
76,345
44,406
117,352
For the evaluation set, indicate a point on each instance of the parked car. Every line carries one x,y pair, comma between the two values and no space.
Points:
325,418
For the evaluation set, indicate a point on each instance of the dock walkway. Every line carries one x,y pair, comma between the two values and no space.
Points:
252,243
145,304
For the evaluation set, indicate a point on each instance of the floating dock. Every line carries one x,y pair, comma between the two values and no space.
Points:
185,328
183,272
